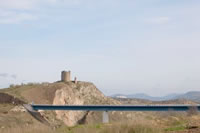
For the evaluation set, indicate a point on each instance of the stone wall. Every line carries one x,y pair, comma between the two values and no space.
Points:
66,76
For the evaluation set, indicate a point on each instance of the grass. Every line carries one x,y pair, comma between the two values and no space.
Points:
115,128
94,128
176,128
26,129
16,122
17,90
138,126
12,122
5,107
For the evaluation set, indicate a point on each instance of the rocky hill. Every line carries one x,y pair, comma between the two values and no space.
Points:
62,93
78,94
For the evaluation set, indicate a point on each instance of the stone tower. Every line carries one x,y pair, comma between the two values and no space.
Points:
66,76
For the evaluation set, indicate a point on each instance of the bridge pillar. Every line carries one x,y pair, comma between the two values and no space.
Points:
105,117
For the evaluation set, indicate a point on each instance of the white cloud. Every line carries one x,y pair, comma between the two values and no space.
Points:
158,20
17,11
31,4
13,17
18,4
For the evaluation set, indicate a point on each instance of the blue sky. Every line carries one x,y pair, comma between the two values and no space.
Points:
131,46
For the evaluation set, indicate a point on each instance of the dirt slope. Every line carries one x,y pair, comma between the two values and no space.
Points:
82,93
63,93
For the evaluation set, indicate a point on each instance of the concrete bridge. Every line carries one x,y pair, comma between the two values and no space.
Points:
33,108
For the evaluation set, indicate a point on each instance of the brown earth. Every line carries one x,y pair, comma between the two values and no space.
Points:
63,93
9,99
84,93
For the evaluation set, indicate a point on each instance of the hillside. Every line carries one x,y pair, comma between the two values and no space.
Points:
146,97
62,93
13,115
133,101
192,95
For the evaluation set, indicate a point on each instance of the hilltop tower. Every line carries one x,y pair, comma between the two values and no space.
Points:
66,76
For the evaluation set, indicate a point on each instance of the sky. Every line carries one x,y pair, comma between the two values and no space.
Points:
122,46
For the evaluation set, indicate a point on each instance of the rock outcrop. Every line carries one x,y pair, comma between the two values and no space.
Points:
81,93
19,108
9,99
68,93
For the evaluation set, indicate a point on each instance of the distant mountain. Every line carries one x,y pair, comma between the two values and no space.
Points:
192,95
145,96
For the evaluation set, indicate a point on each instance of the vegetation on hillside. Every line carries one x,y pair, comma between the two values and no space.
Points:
120,122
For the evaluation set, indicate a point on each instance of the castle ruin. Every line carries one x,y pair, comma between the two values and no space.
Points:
65,76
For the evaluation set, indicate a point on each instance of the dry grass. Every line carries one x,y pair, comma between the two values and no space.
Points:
119,128
12,123
28,129
137,126
148,122
97,128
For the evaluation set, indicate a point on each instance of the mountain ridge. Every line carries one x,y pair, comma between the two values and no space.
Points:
190,95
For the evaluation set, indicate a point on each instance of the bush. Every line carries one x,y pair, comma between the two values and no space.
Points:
192,111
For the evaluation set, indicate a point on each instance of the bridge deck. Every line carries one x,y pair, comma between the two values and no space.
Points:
116,107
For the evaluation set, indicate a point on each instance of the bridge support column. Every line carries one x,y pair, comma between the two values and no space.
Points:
105,117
